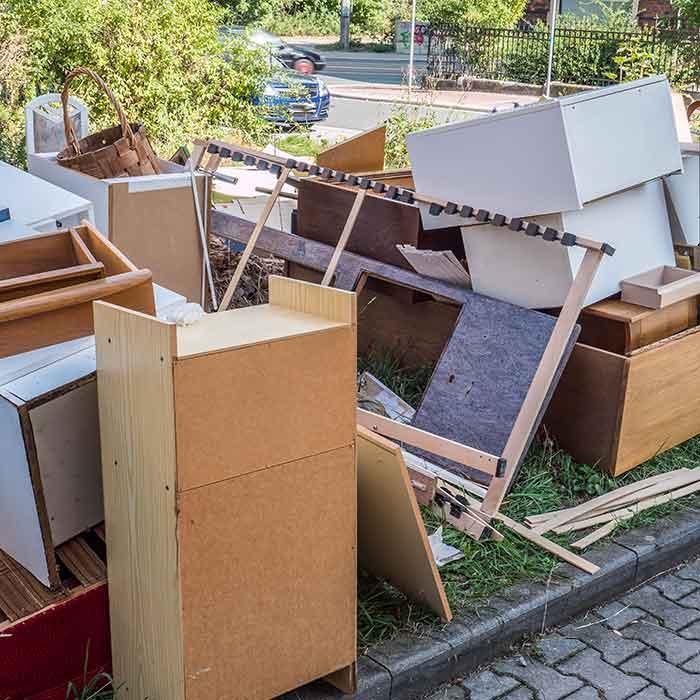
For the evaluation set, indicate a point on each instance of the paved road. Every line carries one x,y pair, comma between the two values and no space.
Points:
368,67
644,646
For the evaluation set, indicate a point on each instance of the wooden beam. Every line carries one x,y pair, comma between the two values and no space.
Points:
250,246
548,545
471,457
344,236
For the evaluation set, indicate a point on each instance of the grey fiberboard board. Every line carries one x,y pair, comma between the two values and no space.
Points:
485,371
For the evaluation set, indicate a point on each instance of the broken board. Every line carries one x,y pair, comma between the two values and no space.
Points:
392,542
483,376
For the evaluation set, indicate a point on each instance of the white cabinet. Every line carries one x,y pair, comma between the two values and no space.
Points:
553,156
683,194
36,205
534,273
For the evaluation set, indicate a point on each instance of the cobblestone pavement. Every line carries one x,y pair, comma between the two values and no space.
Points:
645,645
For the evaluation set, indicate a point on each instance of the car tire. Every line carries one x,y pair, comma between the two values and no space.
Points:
305,66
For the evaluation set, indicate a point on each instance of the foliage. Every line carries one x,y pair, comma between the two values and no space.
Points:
99,687
689,11
401,122
162,58
486,13
301,144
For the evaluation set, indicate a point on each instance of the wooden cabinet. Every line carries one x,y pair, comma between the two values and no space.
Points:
617,412
228,453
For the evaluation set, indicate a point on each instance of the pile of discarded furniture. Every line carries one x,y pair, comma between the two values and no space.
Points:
223,467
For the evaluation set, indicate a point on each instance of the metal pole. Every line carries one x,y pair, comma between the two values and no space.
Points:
550,61
345,11
411,50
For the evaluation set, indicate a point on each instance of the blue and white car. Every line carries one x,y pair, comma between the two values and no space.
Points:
291,97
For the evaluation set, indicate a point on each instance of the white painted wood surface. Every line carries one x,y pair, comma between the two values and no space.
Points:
683,190
552,156
35,202
536,274
20,531
44,165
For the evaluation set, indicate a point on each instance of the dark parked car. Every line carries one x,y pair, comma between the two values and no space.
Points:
300,59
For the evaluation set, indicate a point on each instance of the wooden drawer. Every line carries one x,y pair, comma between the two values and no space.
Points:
618,412
620,327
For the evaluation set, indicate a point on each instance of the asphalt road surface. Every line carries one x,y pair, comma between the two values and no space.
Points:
367,67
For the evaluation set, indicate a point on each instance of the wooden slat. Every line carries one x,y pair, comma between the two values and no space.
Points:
81,561
20,593
594,536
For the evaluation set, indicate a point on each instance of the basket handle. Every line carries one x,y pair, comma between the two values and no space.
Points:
71,137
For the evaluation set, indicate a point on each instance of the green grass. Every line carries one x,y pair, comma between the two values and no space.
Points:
301,144
548,480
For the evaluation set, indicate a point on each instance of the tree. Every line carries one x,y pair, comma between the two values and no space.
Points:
689,10
163,59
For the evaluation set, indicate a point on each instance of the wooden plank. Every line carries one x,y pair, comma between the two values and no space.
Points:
82,561
15,287
595,536
106,252
20,592
344,237
392,542
344,679
82,253
548,545
287,596
36,254
631,511
442,264
332,304
362,152
554,519
416,463
435,444
135,374
250,246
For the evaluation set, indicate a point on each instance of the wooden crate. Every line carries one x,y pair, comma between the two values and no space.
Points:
228,452
617,412
661,287
48,283
620,327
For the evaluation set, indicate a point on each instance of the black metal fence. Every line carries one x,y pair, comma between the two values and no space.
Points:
581,56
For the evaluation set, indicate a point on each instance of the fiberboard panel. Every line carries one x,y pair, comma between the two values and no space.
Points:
554,156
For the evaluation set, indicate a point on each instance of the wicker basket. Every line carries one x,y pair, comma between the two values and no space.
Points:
120,151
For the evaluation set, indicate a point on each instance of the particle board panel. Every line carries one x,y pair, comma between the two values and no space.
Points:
483,376
360,153
392,542
288,586
137,420
662,404
248,326
22,533
253,380
157,228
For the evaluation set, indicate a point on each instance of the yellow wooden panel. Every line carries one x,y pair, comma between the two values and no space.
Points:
135,381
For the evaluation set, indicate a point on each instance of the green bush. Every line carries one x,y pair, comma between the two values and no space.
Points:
162,58
402,121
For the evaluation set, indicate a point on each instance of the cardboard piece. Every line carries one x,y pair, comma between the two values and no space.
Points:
152,219
216,594
358,154
392,542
